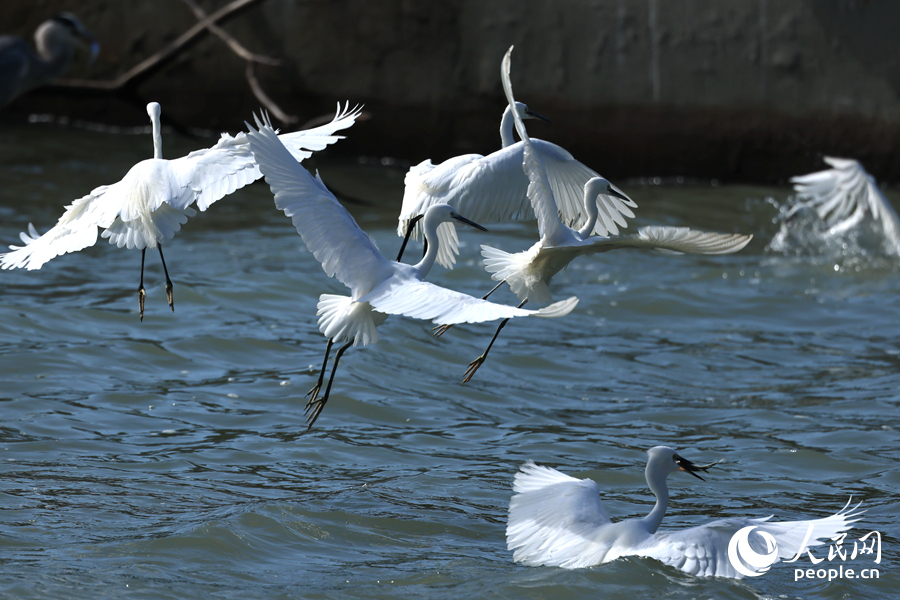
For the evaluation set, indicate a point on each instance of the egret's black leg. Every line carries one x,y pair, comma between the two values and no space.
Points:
314,393
168,281
320,404
141,292
442,329
473,366
409,230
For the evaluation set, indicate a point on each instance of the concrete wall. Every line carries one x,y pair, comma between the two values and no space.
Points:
737,90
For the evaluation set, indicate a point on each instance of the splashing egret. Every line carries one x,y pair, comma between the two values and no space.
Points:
379,287
528,273
843,197
22,69
493,188
153,200
558,520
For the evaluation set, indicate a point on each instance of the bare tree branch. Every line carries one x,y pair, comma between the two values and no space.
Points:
264,98
151,65
250,72
232,43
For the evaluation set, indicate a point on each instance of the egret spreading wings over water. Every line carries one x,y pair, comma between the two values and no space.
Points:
22,69
558,520
493,188
843,197
378,287
154,198
528,273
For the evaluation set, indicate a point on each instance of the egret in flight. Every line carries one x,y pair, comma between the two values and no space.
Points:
379,287
845,196
153,200
493,188
557,520
22,69
528,273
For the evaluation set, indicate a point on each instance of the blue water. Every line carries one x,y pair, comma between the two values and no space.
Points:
169,458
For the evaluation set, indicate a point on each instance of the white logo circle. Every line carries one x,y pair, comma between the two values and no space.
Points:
740,552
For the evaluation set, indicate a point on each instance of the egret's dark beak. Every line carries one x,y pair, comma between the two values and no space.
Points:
613,191
534,115
468,222
689,467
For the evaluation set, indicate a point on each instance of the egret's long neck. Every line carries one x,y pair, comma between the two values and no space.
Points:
507,124
590,208
659,488
430,226
157,137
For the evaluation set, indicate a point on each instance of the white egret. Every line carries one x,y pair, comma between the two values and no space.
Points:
558,520
493,188
153,200
22,69
843,197
379,287
529,272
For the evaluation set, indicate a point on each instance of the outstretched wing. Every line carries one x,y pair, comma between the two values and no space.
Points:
539,192
674,240
422,300
75,230
553,518
215,172
327,229
567,177
485,189
843,195
704,550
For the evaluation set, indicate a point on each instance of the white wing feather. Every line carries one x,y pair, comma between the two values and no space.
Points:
843,195
674,240
152,201
215,172
539,193
552,516
703,550
327,229
422,300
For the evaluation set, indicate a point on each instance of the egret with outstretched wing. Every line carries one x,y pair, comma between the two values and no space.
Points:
493,188
378,287
528,273
151,203
557,520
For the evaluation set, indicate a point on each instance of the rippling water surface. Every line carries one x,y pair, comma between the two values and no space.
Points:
169,458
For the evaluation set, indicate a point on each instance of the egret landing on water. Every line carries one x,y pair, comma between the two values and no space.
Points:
845,196
557,520
153,200
528,273
493,188
22,69
379,287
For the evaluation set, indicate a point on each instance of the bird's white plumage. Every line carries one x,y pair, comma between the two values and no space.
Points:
328,230
528,273
149,205
845,195
423,300
558,520
378,285
493,188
